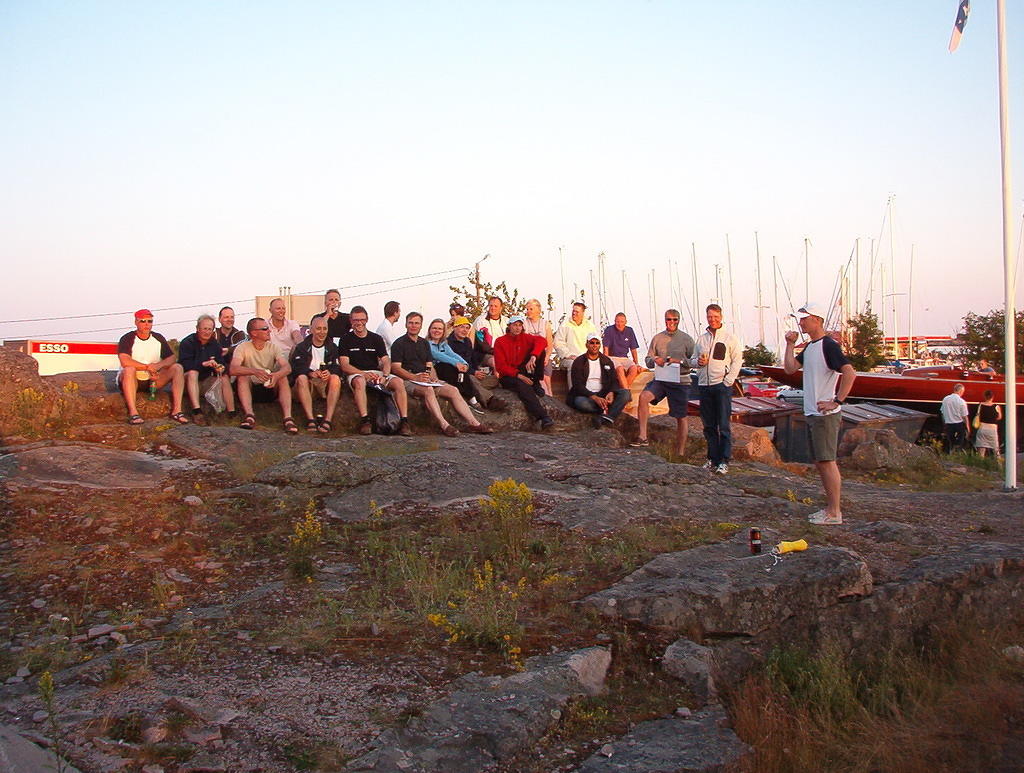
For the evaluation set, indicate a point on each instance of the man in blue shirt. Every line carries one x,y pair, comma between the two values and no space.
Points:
620,344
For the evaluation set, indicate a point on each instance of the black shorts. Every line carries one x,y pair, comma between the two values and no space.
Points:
261,394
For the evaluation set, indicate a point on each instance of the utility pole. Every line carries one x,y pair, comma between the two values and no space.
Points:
476,279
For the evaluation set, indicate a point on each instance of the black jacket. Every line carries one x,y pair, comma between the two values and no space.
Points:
192,354
302,357
581,369
465,349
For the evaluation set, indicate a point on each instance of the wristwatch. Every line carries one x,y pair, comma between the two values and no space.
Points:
837,401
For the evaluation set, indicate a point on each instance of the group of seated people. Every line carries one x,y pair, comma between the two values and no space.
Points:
274,361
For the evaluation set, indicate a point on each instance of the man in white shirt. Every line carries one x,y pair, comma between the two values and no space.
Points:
718,357
285,333
389,329
828,378
572,335
147,360
956,418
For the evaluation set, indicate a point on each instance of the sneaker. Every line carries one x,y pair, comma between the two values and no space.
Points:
821,519
722,469
640,442
475,408
547,424
365,427
708,465
496,404
404,429
605,419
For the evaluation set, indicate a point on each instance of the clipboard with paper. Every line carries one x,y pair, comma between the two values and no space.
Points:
669,373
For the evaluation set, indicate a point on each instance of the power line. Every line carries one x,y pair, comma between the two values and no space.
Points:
183,321
210,305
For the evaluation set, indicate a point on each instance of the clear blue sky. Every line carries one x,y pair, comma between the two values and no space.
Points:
165,154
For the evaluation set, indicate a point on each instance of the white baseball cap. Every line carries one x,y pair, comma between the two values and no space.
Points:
811,309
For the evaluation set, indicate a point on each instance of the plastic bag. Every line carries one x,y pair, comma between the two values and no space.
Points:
386,418
215,397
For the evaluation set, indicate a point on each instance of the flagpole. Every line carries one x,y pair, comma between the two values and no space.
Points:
1010,364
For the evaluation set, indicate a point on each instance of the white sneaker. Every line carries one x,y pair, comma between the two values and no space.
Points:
708,465
821,519
722,469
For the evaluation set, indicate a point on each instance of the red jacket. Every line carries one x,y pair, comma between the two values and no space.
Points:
511,351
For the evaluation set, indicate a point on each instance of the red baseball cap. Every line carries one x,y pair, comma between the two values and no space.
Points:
143,313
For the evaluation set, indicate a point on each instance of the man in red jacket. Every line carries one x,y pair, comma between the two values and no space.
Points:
519,361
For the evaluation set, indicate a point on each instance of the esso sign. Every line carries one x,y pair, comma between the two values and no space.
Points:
45,348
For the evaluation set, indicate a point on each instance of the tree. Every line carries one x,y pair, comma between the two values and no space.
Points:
864,343
983,339
758,355
514,304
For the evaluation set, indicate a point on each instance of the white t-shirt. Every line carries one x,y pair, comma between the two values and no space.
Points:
822,361
318,357
594,376
389,332
954,409
495,327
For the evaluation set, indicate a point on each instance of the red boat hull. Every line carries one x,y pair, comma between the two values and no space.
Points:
930,388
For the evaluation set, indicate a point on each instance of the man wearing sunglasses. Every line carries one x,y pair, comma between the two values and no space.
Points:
671,347
262,372
147,360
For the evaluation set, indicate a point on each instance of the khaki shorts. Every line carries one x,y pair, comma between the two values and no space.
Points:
823,436
352,376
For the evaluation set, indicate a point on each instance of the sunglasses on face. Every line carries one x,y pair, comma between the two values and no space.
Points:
146,321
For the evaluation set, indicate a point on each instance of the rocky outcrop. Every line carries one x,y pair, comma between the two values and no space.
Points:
719,590
28,402
18,755
693,665
486,720
87,465
748,443
876,449
700,743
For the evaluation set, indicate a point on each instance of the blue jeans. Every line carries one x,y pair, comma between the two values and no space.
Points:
716,412
586,405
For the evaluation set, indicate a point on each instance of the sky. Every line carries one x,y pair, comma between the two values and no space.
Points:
182,155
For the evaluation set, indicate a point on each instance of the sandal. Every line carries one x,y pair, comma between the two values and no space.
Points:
179,417
311,425
248,422
326,426
135,420
290,426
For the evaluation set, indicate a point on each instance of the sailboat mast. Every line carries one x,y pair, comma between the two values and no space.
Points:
910,306
778,315
693,253
892,278
760,303
856,274
807,270
732,295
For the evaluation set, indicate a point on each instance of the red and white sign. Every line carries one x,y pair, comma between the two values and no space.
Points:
70,356
71,347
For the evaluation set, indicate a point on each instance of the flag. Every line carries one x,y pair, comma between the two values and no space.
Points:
958,26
